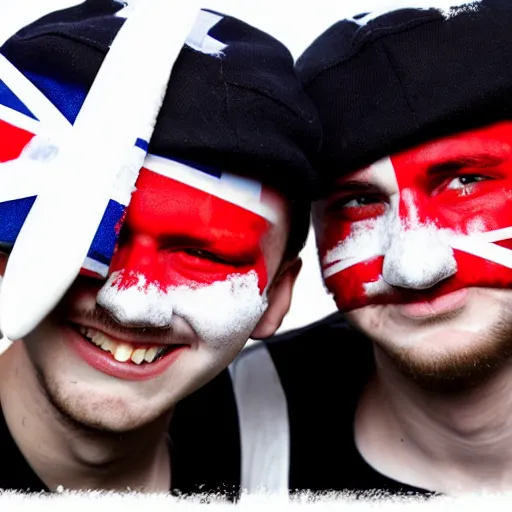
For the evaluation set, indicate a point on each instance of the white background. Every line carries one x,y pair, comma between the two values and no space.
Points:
296,25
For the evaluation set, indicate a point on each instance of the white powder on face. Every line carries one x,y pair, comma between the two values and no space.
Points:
416,255
418,258
364,243
379,287
476,225
221,314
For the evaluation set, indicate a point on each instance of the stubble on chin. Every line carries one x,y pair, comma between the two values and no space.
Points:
454,371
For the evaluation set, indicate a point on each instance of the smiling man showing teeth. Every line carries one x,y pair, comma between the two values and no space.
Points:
196,251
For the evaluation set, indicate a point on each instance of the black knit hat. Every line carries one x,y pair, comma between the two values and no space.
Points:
383,83
241,111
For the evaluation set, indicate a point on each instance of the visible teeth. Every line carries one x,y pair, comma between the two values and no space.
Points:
151,354
108,346
138,355
99,339
104,342
123,352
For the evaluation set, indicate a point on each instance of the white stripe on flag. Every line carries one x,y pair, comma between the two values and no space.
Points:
42,108
19,120
478,245
496,235
241,191
96,266
25,176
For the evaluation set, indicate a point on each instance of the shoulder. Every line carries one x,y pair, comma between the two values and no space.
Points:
329,351
296,395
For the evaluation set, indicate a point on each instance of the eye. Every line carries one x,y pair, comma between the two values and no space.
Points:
356,207
205,255
357,202
463,181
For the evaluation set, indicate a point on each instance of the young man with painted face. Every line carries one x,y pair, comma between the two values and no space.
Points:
413,226
194,255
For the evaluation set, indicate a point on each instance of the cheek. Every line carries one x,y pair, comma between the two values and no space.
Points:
476,271
330,234
222,314
353,287
486,211
351,257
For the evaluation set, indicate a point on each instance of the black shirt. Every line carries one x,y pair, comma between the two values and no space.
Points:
283,413
195,447
308,383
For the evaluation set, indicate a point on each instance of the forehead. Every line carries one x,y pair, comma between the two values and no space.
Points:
488,145
169,192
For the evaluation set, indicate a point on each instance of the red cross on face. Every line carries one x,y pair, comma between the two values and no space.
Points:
421,223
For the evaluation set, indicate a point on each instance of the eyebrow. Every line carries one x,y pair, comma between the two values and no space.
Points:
352,186
479,160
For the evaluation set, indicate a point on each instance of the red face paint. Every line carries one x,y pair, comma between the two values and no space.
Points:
398,225
175,234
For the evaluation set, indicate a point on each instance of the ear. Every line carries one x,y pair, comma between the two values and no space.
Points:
279,300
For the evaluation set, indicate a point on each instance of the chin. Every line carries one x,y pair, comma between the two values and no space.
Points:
100,402
444,352
87,398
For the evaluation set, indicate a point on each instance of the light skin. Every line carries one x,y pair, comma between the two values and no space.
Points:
85,428
402,251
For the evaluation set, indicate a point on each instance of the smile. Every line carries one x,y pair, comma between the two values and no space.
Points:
123,351
120,358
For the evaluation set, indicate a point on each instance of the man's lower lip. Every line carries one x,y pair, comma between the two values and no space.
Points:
105,362
443,304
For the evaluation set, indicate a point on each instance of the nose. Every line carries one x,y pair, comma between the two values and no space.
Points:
132,295
136,254
418,259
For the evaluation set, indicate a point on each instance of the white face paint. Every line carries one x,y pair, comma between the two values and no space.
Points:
417,255
397,225
221,313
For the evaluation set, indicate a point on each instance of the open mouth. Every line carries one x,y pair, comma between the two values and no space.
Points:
122,351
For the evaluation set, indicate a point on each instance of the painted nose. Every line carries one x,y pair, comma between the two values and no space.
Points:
131,295
137,255
418,259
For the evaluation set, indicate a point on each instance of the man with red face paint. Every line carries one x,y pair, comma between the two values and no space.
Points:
407,389
195,253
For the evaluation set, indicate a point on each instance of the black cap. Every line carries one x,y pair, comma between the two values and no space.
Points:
242,110
388,82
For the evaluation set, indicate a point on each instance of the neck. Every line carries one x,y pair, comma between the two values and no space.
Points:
68,455
443,442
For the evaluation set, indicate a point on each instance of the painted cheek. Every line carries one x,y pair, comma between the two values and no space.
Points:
349,286
489,208
334,231
476,271
486,207
360,246
492,210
